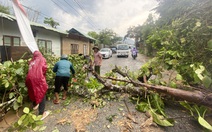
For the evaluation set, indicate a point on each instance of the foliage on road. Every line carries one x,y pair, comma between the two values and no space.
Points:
182,38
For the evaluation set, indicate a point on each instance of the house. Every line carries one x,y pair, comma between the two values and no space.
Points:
12,45
49,40
77,43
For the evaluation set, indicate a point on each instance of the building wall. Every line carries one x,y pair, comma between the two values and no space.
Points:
10,28
67,41
49,35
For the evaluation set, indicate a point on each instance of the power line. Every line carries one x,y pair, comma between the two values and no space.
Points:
44,15
82,8
63,8
80,14
59,6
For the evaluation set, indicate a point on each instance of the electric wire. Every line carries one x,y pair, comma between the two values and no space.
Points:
83,10
80,15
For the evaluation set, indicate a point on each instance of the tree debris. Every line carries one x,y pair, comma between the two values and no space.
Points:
194,96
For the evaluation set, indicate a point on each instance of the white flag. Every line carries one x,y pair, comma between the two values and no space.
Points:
24,26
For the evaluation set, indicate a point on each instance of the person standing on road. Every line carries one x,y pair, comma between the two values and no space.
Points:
97,60
62,69
36,83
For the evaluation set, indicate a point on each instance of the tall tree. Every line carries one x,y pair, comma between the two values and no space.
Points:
184,41
93,34
105,37
50,21
4,9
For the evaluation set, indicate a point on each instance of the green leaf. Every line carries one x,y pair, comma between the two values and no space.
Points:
20,99
21,61
16,105
159,119
182,40
199,72
42,128
143,106
21,84
55,130
210,44
40,122
204,123
179,77
207,81
11,95
34,117
26,110
19,71
173,84
198,24
187,106
20,121
38,117
158,103
7,84
7,63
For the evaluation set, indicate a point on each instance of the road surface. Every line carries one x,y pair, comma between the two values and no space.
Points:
133,65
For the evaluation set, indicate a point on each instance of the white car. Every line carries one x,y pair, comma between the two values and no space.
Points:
106,53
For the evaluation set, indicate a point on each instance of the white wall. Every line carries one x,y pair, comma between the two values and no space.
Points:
52,36
11,28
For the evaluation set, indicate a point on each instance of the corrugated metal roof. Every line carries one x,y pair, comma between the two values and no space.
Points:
81,33
12,18
48,28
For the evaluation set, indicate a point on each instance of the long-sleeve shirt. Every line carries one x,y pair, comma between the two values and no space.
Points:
97,59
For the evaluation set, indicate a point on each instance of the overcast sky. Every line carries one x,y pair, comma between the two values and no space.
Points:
91,15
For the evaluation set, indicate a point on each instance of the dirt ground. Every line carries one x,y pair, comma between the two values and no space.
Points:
77,114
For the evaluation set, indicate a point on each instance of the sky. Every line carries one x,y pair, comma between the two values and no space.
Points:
90,15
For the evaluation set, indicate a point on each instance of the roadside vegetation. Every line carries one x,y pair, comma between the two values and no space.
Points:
180,43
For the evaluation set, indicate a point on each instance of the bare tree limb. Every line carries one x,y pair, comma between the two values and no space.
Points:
194,96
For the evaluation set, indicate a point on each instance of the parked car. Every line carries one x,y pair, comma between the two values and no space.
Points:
113,50
106,53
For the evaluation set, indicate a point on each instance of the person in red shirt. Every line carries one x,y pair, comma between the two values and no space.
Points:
97,60
36,82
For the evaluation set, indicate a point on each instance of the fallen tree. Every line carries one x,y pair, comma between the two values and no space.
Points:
195,96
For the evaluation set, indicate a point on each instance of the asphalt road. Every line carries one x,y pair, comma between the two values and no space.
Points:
133,65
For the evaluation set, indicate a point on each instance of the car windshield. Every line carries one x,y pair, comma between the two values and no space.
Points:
122,47
104,50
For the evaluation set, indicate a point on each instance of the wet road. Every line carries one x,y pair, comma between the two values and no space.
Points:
133,65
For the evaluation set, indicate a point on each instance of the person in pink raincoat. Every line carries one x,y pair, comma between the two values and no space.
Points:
36,82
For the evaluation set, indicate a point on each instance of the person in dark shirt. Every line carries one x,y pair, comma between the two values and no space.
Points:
63,70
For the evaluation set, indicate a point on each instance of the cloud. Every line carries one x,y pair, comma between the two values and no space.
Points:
94,15
121,14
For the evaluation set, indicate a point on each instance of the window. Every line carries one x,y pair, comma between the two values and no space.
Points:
11,41
74,48
45,46
85,49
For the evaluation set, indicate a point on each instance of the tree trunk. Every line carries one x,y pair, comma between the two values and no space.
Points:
195,96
